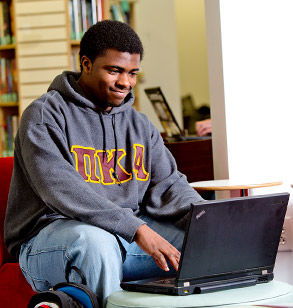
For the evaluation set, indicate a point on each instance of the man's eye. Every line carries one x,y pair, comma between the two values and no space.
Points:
113,71
133,74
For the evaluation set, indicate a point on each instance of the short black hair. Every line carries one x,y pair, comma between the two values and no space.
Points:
109,34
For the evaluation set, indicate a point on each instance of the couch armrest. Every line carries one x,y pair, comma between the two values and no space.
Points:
1,252
6,167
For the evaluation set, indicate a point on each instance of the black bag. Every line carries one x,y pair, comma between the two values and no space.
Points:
66,295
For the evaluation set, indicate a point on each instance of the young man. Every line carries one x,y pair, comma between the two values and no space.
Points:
93,184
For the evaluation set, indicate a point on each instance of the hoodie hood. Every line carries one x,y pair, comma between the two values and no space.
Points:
66,84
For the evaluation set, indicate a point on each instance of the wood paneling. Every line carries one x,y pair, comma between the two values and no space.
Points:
194,159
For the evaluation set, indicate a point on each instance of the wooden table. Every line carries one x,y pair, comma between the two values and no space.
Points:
231,185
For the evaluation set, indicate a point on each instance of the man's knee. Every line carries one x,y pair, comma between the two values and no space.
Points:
92,242
67,243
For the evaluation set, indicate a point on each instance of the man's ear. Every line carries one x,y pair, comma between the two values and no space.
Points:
86,64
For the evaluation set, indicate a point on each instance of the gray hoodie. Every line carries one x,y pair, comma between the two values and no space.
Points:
74,161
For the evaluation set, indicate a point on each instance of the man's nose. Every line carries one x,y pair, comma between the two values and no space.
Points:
123,80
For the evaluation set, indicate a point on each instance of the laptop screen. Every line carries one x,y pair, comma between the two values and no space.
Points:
233,236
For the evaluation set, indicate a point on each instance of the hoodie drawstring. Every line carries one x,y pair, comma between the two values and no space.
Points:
114,174
104,137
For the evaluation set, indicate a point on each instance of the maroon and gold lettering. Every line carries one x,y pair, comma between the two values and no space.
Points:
81,164
138,167
89,160
106,163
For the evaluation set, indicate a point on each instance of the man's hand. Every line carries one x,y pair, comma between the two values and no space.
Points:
157,247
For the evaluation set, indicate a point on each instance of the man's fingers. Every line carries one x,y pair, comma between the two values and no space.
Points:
170,254
174,260
157,247
160,260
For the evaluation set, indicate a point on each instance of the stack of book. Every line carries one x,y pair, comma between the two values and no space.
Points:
6,35
7,134
121,11
8,83
83,14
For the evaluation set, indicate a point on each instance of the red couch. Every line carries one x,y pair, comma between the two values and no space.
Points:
14,290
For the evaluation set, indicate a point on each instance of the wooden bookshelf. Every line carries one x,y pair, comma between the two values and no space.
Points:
42,48
107,8
8,79
7,47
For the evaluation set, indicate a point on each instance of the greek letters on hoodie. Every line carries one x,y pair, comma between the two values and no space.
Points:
89,160
74,161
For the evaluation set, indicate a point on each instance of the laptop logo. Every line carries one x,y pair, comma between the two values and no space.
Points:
200,214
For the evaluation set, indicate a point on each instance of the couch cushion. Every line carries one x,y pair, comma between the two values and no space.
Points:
14,290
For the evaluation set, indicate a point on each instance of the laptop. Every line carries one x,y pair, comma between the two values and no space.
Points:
228,243
170,125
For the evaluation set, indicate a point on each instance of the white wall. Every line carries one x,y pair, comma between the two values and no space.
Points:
257,87
192,50
250,62
155,24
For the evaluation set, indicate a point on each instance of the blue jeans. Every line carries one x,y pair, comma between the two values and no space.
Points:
103,258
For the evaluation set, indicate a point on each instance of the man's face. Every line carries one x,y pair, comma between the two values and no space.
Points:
109,78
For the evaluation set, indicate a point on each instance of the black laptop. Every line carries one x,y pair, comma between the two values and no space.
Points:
228,243
171,127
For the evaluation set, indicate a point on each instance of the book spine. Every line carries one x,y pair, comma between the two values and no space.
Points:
75,62
125,8
14,74
12,23
8,133
83,15
99,10
114,12
6,24
72,20
1,24
8,83
117,13
3,79
15,125
94,11
76,14
89,13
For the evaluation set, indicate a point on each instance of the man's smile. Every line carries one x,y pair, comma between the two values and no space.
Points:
119,93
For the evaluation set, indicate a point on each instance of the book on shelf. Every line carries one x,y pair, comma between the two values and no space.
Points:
7,135
8,83
83,14
120,11
6,33
99,10
77,31
71,18
75,63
